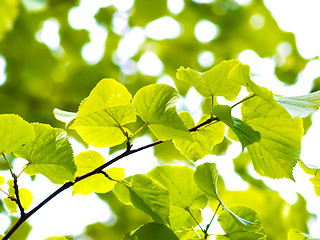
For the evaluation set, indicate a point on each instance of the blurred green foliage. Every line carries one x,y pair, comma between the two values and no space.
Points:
39,79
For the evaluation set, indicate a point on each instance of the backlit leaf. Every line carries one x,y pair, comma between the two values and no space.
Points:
202,140
87,162
146,195
14,132
312,170
154,231
218,81
300,106
64,116
178,180
155,105
103,113
235,231
11,205
25,198
49,154
278,151
295,234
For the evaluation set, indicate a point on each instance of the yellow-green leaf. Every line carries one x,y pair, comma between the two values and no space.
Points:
295,234
155,106
14,132
11,205
278,151
25,198
8,13
99,183
202,140
50,154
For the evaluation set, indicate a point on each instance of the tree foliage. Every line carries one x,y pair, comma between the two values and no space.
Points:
102,105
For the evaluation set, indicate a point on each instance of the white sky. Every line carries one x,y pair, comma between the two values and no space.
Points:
299,17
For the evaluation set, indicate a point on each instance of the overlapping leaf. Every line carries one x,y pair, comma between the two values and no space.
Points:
102,115
206,176
146,195
87,162
278,151
300,106
245,134
202,140
178,180
49,153
64,116
221,80
155,106
235,231
14,132
154,231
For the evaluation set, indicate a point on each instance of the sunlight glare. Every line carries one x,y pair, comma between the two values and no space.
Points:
205,31
206,59
150,64
3,74
163,28
49,34
175,6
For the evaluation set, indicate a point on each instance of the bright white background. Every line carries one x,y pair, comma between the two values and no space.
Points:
70,214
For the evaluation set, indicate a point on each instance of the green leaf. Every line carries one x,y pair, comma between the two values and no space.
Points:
312,170
64,116
2,180
300,106
155,105
178,180
25,198
9,11
49,153
14,132
202,140
11,205
154,231
221,80
180,219
295,234
245,134
56,238
206,176
87,162
102,115
278,151
235,231
146,195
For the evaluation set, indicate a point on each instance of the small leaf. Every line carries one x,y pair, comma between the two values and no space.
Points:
178,180
295,234
2,180
154,231
14,132
103,113
25,198
155,106
203,139
278,151
64,116
300,106
234,231
87,162
11,205
49,154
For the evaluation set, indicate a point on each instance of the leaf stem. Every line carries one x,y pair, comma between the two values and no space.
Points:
142,127
10,168
188,210
208,226
243,100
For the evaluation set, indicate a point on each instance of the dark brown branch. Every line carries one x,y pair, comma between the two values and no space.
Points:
17,199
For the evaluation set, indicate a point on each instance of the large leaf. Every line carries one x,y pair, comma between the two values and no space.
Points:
206,176
278,151
103,113
146,195
178,180
300,106
221,80
155,105
235,231
87,162
49,154
14,132
154,231
202,140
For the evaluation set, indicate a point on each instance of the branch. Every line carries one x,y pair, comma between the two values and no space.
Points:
17,199
98,170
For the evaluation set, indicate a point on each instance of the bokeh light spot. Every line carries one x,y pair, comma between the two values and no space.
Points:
3,75
150,64
175,6
257,21
206,59
49,34
163,28
205,31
